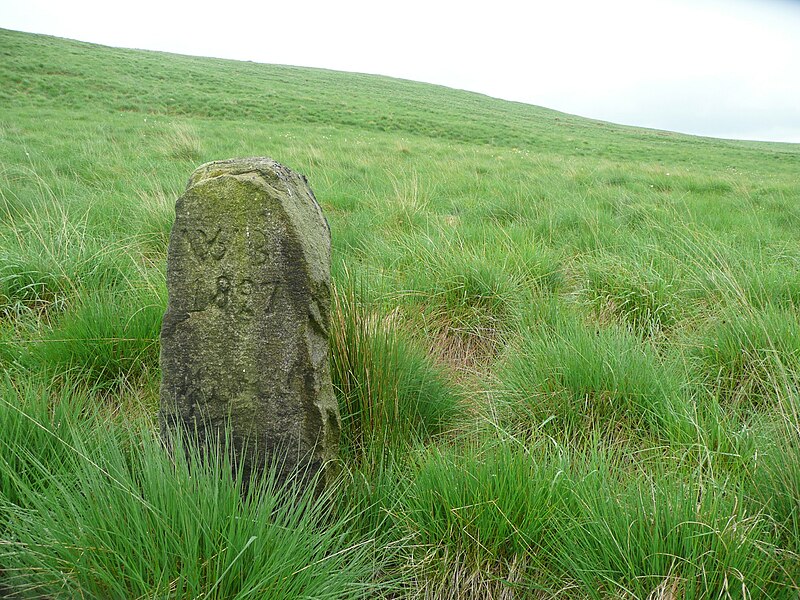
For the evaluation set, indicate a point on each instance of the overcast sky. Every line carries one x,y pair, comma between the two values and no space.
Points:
724,68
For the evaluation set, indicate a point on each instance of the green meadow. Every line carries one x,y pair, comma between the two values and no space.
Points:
566,353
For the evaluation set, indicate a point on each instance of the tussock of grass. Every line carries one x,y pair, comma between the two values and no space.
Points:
155,215
511,520
636,536
645,298
567,376
34,418
744,354
466,289
480,521
390,394
775,488
108,339
182,143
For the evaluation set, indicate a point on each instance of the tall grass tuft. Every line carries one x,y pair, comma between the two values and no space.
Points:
774,483
182,142
776,488
573,378
34,418
744,352
480,522
390,393
155,215
639,296
109,338
661,535
465,288
49,254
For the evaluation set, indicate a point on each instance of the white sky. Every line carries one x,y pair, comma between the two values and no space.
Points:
724,68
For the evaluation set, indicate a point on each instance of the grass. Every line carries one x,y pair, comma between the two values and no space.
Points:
565,352
658,535
746,353
83,520
573,378
390,393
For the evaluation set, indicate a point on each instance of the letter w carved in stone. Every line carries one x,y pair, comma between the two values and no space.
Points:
205,244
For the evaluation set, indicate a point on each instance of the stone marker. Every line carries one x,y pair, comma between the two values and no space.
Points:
244,342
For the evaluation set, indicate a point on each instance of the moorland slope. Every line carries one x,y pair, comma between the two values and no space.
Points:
566,352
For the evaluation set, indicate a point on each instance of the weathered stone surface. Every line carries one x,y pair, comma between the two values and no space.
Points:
244,341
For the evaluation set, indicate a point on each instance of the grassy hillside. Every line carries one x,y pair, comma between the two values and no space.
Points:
590,332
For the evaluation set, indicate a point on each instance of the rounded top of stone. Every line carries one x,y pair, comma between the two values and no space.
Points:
264,166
